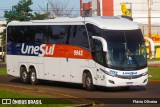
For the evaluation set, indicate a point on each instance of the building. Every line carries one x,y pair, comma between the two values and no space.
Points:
97,8
139,10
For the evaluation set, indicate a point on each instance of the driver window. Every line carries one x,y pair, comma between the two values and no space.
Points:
98,54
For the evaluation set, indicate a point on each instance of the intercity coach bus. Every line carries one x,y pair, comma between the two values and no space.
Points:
92,51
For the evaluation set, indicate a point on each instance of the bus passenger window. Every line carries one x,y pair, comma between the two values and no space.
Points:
39,37
58,34
79,36
93,30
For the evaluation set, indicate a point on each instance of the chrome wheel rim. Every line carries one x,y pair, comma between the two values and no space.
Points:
24,75
33,76
88,81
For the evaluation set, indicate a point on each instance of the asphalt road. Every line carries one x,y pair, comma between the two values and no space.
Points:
101,96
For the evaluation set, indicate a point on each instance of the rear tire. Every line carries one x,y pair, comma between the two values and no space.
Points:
33,77
24,75
89,82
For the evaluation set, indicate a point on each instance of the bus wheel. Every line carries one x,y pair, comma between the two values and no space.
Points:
89,82
24,75
33,76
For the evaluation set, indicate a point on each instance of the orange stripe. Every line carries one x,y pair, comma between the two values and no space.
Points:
67,51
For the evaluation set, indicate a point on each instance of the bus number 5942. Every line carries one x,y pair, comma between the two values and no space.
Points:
78,53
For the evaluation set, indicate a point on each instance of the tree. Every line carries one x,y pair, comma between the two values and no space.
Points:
59,9
3,37
21,12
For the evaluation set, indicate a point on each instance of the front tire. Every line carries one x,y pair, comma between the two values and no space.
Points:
24,75
33,77
89,82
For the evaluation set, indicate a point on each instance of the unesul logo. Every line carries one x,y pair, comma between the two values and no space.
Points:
129,73
44,49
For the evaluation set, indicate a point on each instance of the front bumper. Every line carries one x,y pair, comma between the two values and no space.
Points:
119,82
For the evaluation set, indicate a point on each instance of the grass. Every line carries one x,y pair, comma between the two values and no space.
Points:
154,72
3,71
55,102
9,94
154,59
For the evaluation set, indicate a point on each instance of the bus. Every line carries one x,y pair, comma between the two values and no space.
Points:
92,51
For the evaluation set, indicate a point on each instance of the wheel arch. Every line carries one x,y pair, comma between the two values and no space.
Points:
85,71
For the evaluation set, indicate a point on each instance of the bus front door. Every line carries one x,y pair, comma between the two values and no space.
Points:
99,57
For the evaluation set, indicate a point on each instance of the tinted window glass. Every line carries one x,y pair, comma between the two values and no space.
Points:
10,36
97,52
38,34
57,34
93,30
79,36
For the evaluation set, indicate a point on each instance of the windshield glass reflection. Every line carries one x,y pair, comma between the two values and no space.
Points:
126,49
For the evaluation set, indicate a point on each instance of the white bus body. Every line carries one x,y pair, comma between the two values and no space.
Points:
104,51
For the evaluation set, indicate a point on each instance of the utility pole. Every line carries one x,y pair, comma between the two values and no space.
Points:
81,7
149,18
47,7
149,26
48,13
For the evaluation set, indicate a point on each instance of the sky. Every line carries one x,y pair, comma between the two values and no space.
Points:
7,4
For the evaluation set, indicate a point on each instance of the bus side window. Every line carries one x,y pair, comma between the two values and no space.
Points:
79,36
39,37
58,34
39,33
10,35
93,31
97,52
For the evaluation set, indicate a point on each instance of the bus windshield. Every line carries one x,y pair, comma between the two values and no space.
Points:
126,49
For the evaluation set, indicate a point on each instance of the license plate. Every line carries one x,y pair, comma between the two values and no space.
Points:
129,83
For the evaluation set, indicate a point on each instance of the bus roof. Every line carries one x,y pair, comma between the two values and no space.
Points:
107,22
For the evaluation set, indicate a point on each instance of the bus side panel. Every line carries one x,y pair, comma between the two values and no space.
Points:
40,71
51,71
23,59
12,65
77,67
97,75
31,59
93,70
101,78
64,69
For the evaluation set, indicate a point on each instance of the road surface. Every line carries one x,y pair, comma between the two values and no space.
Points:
101,96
